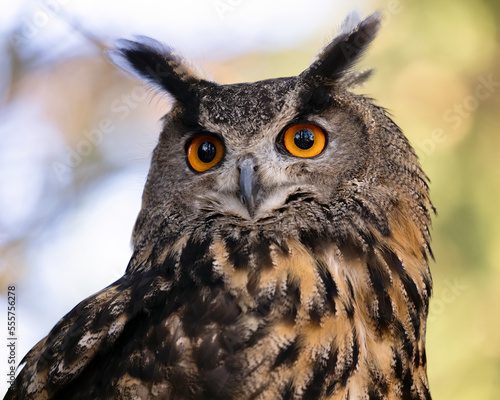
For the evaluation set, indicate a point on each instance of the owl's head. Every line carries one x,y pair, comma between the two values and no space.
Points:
294,156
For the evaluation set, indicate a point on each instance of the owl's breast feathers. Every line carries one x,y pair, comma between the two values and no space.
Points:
236,315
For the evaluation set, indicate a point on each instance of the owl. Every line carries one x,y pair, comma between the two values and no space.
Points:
281,251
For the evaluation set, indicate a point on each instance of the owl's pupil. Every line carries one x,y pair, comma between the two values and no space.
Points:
304,139
207,152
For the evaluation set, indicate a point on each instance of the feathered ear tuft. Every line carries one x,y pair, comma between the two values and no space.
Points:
158,65
334,62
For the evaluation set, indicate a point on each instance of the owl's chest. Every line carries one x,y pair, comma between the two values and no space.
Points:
275,325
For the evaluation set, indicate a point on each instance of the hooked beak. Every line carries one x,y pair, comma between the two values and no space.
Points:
249,183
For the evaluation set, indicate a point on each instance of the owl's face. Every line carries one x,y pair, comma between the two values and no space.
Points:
254,152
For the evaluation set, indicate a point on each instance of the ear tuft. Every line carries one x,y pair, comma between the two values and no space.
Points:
157,64
335,61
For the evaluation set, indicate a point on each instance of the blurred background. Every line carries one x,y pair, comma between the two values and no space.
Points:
76,136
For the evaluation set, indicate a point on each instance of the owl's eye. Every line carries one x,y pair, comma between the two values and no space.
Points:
304,140
204,152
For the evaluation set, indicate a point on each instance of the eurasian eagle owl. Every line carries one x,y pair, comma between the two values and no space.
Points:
281,251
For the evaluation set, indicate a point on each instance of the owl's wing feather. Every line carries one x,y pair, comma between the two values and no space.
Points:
61,356
90,330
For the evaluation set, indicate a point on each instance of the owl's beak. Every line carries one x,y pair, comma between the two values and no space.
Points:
249,183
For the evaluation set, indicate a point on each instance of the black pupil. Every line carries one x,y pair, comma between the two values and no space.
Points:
206,152
304,139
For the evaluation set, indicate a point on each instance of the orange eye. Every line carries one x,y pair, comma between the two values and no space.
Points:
204,152
304,140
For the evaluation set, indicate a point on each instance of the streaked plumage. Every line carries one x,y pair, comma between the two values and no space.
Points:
268,276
